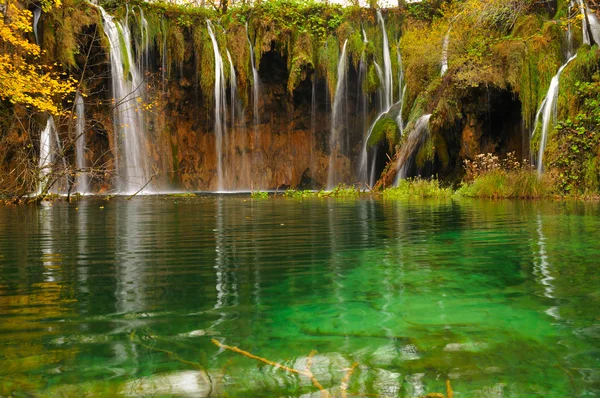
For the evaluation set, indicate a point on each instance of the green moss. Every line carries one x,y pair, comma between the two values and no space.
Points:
123,50
175,47
385,129
301,61
328,62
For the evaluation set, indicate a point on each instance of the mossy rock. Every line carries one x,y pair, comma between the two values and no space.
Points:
386,129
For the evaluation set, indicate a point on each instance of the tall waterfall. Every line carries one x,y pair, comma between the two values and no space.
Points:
238,165
548,113
593,26
414,140
255,87
130,146
220,107
445,53
46,157
338,121
37,13
80,144
388,90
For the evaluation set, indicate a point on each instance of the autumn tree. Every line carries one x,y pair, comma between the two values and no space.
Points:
26,80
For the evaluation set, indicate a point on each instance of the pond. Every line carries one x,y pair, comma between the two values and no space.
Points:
111,297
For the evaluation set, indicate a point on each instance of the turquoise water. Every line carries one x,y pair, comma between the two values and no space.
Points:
123,297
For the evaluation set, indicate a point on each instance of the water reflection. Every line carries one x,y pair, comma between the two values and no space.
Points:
131,292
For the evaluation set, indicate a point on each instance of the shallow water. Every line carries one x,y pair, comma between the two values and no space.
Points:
124,297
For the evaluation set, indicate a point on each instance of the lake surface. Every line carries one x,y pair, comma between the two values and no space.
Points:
124,297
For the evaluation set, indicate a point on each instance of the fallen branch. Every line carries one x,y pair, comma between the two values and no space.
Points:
346,380
307,372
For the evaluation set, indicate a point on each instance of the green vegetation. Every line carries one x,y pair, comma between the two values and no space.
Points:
490,177
418,188
259,195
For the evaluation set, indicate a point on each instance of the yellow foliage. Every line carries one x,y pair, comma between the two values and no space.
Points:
25,79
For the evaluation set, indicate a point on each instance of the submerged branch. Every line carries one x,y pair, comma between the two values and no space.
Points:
307,372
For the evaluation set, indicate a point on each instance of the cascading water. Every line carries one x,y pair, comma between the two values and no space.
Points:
401,92
37,13
144,45
255,87
381,91
45,159
589,24
220,106
80,144
548,113
388,91
445,53
131,157
338,121
408,150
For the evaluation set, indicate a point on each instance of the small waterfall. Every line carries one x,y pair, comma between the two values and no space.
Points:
338,121
381,91
593,27
569,30
255,87
388,90
37,13
361,109
401,91
45,160
548,112
80,144
408,150
445,53
143,50
220,106
50,150
313,121
131,157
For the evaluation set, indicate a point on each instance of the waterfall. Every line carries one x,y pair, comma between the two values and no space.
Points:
130,146
255,88
381,92
401,91
338,121
241,167
143,53
220,106
388,91
548,113
313,121
80,143
593,27
37,13
45,160
414,140
445,53
361,109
